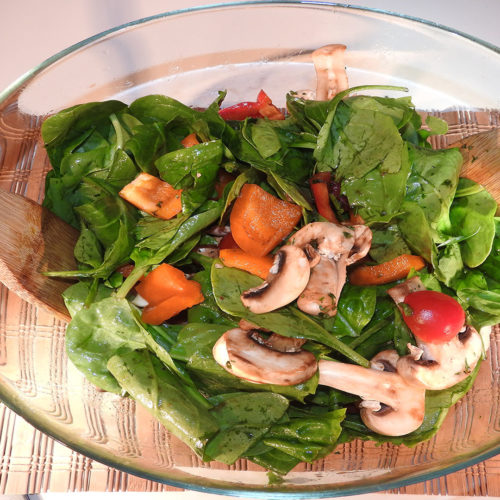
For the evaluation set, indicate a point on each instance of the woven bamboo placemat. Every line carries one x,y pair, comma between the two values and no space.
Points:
32,462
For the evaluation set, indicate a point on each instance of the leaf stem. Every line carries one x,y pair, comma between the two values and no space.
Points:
334,342
130,281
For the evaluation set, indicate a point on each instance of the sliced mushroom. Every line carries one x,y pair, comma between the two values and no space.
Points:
275,340
245,354
391,406
385,361
331,77
337,246
362,243
323,289
287,279
399,292
437,366
440,366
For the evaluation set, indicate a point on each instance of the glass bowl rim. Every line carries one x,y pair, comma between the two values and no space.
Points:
258,492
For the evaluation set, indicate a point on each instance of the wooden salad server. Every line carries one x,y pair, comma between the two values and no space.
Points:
481,153
35,240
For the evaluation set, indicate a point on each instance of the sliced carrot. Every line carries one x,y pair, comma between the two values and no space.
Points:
259,220
392,270
153,196
171,306
190,140
162,282
235,257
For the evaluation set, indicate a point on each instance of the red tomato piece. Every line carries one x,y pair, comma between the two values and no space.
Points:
433,317
241,111
227,242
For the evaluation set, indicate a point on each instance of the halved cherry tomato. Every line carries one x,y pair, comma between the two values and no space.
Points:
433,317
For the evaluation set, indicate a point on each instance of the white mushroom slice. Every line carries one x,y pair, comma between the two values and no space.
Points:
245,354
402,406
385,361
307,94
399,292
287,278
331,77
362,243
323,289
331,240
337,245
443,365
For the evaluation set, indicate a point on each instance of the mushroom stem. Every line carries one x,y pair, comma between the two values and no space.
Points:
331,77
403,404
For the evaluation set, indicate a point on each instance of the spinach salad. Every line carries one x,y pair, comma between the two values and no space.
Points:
372,156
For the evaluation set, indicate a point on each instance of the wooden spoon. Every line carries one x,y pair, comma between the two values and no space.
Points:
481,154
35,240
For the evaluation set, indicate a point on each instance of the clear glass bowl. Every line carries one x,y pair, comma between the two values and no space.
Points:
190,55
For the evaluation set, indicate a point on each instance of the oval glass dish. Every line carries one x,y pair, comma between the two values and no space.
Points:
191,55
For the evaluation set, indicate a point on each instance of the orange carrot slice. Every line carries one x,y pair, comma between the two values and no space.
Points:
392,270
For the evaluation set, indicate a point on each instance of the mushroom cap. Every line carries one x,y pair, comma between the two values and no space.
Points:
287,279
240,353
331,240
408,417
443,365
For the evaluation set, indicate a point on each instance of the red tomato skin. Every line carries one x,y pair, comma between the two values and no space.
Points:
436,317
227,242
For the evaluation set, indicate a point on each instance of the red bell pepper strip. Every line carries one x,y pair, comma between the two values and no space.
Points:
262,108
241,111
319,188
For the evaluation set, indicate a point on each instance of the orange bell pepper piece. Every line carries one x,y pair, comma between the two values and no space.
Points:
168,292
162,282
392,270
235,257
153,196
259,220
171,306
190,140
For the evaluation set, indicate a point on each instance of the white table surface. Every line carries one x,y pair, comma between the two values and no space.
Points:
33,30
